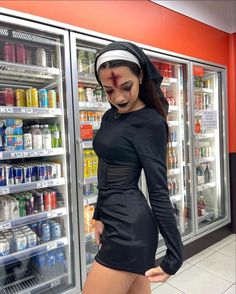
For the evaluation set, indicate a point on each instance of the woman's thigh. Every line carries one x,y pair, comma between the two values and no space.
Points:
103,280
141,285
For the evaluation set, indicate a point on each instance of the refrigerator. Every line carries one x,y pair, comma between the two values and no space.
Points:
38,206
185,146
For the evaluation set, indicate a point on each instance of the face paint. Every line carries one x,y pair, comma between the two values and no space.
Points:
114,77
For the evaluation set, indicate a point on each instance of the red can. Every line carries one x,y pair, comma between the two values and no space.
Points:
53,199
9,52
20,53
9,97
47,200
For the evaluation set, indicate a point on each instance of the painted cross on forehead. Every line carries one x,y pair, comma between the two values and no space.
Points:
114,77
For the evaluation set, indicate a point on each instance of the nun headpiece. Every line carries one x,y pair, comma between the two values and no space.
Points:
128,51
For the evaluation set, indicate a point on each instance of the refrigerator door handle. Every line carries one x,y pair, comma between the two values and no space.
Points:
81,159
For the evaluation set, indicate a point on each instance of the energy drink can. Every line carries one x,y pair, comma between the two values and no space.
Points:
22,208
29,204
28,98
41,172
47,200
41,57
38,201
2,176
4,247
43,98
9,52
31,239
20,242
18,175
27,174
55,231
20,53
34,97
46,232
52,99
20,98
34,173
53,195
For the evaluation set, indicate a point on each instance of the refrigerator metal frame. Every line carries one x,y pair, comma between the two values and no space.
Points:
70,142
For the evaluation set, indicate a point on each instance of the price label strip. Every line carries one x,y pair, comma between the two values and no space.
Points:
55,283
52,246
5,226
4,191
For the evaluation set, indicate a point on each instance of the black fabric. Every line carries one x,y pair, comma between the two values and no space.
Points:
148,68
125,145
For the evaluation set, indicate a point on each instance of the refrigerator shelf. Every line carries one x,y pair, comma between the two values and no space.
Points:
31,186
96,106
172,172
173,108
24,72
5,225
90,199
87,78
42,248
205,159
89,180
176,198
87,144
209,215
203,90
172,144
30,153
168,81
172,123
29,112
204,136
206,186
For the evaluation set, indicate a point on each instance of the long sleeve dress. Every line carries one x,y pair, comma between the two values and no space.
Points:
125,145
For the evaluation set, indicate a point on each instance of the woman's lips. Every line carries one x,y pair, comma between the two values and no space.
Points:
123,104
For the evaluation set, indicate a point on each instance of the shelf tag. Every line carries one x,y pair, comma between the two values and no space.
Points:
5,226
52,214
55,283
44,184
16,154
29,110
23,110
4,191
52,246
9,110
3,109
39,185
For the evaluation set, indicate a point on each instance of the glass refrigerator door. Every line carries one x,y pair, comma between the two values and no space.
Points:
36,161
89,105
174,88
211,199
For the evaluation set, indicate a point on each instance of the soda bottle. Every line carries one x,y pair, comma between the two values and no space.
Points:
47,137
200,175
55,136
197,127
201,205
95,163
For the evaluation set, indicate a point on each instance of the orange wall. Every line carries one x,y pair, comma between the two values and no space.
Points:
147,23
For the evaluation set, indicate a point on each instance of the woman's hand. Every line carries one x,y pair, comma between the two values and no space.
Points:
99,227
156,274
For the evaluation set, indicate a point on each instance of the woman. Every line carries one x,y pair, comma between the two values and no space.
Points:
133,136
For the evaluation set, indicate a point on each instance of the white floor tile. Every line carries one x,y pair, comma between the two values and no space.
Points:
197,281
229,250
184,267
231,290
166,289
220,265
219,245
200,256
155,285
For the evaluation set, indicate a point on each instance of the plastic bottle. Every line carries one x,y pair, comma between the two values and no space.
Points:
37,137
60,261
47,137
201,205
55,136
200,175
27,138
197,127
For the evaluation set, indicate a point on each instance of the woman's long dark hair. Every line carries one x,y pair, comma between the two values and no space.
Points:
148,92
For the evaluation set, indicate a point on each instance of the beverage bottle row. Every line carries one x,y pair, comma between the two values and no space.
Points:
91,116
90,189
90,163
24,54
172,134
89,223
203,151
29,98
206,175
27,172
201,205
91,94
51,264
86,60
15,136
173,186
200,83
202,101
172,159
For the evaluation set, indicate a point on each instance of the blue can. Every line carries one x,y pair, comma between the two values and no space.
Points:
27,174
42,172
18,175
2,176
56,231
9,174
46,237
34,173
43,98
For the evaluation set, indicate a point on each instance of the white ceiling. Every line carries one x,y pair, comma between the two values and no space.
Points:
218,14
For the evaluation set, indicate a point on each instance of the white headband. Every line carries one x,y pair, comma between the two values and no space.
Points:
116,55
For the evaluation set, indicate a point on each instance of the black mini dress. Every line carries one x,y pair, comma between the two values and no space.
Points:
125,145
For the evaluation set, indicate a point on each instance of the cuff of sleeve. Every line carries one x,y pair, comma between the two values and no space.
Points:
96,214
170,270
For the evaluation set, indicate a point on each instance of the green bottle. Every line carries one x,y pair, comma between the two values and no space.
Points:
55,136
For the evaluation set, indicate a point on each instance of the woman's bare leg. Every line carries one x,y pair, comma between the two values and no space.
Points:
141,285
103,280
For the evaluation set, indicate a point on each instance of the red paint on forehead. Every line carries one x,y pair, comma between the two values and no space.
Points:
114,77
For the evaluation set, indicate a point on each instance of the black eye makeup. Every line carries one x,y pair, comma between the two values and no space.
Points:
128,87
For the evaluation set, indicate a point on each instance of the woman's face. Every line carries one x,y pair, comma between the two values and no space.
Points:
122,88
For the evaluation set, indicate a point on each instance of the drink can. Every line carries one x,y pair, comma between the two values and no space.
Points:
9,52
20,53
29,204
28,98
20,98
27,174
20,242
55,231
52,99
48,171
4,247
43,98
47,200
87,189
58,170
28,58
18,175
9,97
41,57
14,208
94,189
53,199
89,94
38,201
34,97
22,208
31,239
9,175
34,173
83,116
46,232
2,176
41,172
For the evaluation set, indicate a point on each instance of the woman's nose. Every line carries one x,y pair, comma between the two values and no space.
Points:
119,98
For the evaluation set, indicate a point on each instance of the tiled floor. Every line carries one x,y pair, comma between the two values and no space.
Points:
212,271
